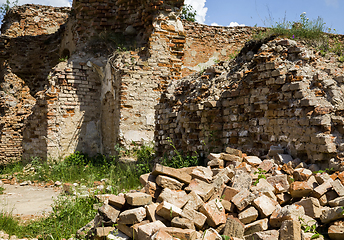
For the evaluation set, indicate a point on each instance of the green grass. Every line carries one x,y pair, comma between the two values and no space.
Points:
313,32
68,216
71,213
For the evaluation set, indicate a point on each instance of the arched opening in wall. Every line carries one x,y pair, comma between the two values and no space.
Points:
65,54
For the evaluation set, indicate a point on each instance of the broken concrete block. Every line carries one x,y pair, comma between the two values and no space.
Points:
283,197
279,182
152,189
302,174
230,157
116,235
253,160
338,187
146,231
257,226
150,211
102,232
172,172
300,189
201,188
283,158
144,178
327,197
117,201
322,177
183,234
265,205
339,201
202,173
311,206
248,215
241,180
131,231
176,197
214,211
266,165
312,182
132,216
336,232
168,182
265,235
194,201
287,212
290,230
109,212
243,199
331,214
216,163
138,199
225,174
229,207
234,151
234,228
181,222
211,234
228,193
168,210
162,235
195,216
322,189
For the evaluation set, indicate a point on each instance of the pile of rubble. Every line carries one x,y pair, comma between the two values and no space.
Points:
239,196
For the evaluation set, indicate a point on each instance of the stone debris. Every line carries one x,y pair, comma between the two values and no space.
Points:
231,202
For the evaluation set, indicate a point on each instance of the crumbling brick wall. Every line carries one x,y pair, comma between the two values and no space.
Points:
274,93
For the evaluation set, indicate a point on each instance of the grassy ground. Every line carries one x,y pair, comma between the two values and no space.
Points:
71,213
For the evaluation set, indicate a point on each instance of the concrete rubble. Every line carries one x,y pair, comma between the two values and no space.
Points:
233,198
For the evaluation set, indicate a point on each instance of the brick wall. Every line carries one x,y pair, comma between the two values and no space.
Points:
282,94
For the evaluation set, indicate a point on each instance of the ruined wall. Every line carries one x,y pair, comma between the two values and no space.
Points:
277,93
26,59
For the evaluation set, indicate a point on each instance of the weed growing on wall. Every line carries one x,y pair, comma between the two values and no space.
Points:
313,32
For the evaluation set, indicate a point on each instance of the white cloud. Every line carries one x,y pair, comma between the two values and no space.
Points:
214,24
235,24
60,3
333,3
199,6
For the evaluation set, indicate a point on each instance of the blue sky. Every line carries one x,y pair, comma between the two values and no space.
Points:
251,12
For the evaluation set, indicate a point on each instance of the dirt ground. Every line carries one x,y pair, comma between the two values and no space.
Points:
27,202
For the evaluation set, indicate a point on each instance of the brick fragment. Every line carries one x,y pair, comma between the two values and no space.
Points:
300,189
172,172
168,210
257,226
290,230
265,205
338,187
168,182
146,231
177,198
138,199
248,215
243,199
234,228
132,216
214,211
201,188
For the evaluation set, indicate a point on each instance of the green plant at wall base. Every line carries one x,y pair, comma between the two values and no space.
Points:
225,237
178,160
2,189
